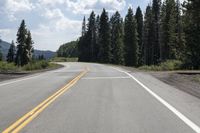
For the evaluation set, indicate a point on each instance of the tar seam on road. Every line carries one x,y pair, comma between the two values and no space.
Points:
186,120
27,118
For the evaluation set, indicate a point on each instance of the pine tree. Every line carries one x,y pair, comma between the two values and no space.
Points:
1,55
167,28
130,39
11,53
155,30
21,41
192,32
139,20
117,45
96,47
28,53
104,38
172,41
148,37
84,27
91,37
82,42
41,57
180,35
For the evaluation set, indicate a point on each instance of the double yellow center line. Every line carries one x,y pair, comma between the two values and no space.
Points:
27,118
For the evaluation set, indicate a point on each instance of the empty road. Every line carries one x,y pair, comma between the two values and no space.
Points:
95,98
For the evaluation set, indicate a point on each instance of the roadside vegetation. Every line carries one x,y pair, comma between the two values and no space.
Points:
169,65
20,58
6,67
165,37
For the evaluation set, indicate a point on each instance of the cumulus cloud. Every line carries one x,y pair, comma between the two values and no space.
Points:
51,2
60,21
86,6
14,6
10,34
58,30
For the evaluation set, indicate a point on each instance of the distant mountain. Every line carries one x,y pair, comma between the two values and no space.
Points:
4,47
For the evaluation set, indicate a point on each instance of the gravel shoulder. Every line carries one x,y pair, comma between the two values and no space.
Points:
187,81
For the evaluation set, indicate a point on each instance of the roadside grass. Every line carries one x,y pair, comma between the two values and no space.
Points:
169,65
64,59
8,67
32,66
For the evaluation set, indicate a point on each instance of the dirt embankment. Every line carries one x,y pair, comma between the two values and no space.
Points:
185,81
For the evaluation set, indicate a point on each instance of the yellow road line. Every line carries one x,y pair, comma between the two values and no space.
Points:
27,118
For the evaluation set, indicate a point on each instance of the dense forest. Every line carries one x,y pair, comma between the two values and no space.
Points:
167,30
69,50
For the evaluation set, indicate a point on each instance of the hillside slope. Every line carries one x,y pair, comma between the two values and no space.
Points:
4,46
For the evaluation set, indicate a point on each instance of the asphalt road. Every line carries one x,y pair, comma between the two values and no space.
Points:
104,100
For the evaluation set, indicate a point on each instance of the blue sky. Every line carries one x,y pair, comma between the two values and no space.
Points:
54,22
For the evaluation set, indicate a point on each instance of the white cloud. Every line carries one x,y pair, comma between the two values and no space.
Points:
51,2
57,31
52,14
14,6
47,38
60,21
8,34
86,6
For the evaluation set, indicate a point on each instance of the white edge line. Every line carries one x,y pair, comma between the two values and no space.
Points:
166,104
30,77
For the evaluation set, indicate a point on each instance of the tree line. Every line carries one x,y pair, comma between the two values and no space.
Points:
68,50
23,53
167,30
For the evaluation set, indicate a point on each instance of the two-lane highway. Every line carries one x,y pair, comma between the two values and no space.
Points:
100,100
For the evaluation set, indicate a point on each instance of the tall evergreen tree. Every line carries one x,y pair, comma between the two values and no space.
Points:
139,20
21,43
91,37
83,27
1,55
155,30
148,37
82,43
180,35
104,38
168,50
28,53
117,45
192,32
130,39
96,47
172,40
11,53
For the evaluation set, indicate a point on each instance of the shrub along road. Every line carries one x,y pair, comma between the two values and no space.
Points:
100,99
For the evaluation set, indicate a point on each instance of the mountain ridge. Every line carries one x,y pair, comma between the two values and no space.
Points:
4,47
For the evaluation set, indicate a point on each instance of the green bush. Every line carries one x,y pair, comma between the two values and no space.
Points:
150,68
36,65
169,65
8,67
